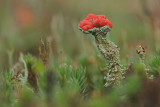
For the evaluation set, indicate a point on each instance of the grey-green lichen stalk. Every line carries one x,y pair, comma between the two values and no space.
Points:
110,51
141,52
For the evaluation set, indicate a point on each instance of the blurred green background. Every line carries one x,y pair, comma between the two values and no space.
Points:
24,22
75,77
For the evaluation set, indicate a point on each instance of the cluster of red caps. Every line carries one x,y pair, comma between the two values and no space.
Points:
138,46
92,21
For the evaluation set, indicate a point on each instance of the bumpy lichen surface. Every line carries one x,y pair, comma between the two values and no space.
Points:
110,52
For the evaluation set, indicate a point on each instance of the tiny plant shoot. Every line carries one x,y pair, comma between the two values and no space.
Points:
99,26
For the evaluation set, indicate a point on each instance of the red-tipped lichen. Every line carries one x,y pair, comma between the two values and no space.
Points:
99,26
138,46
140,50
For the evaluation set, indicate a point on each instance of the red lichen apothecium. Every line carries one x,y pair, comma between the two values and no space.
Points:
92,21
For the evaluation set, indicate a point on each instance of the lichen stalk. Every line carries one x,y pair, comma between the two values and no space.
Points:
110,51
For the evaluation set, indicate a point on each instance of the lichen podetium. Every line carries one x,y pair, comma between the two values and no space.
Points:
108,49
141,52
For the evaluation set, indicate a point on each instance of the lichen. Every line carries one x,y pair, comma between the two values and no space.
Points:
141,52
